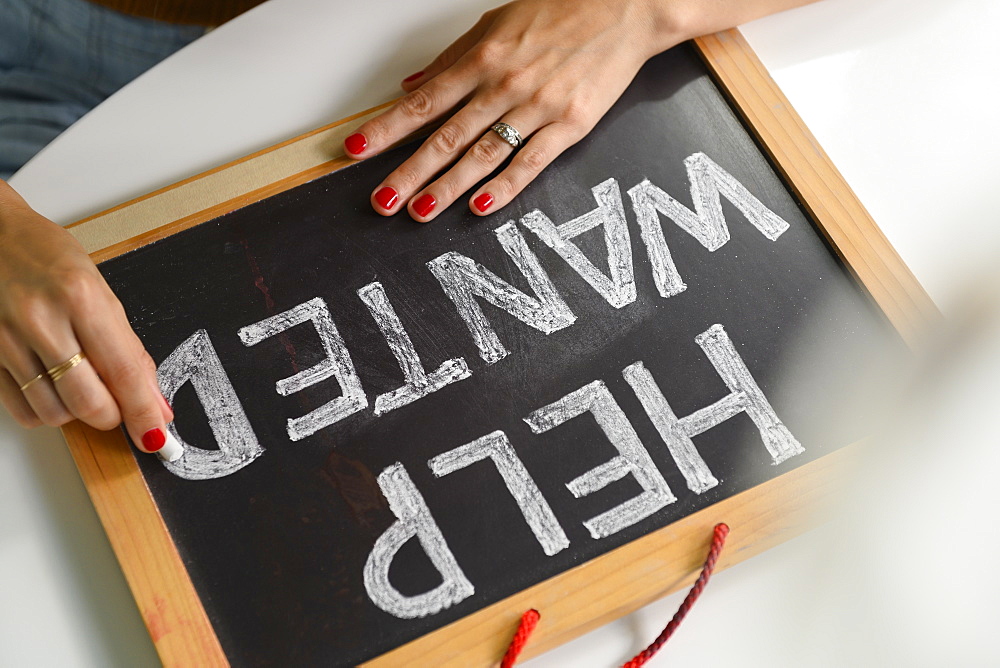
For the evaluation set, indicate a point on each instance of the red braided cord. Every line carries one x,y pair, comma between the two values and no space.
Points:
718,540
530,619
528,622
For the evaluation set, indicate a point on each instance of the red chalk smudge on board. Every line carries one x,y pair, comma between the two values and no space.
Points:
156,620
269,305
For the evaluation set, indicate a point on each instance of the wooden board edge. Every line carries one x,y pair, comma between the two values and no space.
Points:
167,229
247,158
819,186
166,597
606,587
225,188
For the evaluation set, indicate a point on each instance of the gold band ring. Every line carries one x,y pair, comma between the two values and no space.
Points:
60,370
33,381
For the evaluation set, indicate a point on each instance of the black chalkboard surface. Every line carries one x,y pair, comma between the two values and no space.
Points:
327,519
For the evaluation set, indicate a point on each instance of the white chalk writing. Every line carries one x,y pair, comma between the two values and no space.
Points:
413,519
707,223
464,279
337,363
536,510
195,361
632,458
417,383
619,287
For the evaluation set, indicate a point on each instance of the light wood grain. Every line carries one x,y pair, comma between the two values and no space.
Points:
167,600
577,600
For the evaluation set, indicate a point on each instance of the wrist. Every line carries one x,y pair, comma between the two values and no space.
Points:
667,22
14,211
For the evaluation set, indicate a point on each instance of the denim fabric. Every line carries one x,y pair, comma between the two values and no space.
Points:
61,58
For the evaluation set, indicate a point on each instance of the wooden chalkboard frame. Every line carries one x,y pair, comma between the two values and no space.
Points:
576,600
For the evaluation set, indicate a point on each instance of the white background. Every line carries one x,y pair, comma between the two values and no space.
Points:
902,94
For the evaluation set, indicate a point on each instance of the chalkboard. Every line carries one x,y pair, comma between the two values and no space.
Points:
389,426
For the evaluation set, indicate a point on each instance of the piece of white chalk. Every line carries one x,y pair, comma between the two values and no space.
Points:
171,450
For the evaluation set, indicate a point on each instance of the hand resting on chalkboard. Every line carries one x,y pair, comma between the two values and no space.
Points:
55,304
531,78
548,69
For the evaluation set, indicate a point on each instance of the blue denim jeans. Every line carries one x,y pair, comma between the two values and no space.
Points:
61,58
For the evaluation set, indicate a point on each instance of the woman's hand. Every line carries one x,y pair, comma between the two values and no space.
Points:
53,304
548,68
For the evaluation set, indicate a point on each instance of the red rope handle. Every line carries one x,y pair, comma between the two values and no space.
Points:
530,619
718,540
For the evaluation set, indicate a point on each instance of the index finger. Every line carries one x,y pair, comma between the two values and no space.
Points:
410,113
128,372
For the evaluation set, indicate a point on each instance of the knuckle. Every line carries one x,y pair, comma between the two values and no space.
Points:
533,160
545,99
486,152
448,139
446,190
143,416
26,419
105,422
30,313
376,130
146,361
121,372
487,54
95,412
406,178
20,411
503,188
55,417
514,82
418,104
576,113
78,287
7,338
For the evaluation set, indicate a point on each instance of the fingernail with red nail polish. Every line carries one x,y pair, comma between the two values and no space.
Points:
424,205
386,197
166,403
483,202
356,143
413,77
154,439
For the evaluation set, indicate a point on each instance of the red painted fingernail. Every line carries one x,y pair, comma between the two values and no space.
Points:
483,202
424,205
166,403
154,439
386,197
413,77
356,143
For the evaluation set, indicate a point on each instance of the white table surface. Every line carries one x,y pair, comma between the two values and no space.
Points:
903,96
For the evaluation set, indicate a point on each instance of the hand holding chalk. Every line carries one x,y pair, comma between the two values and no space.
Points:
66,348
